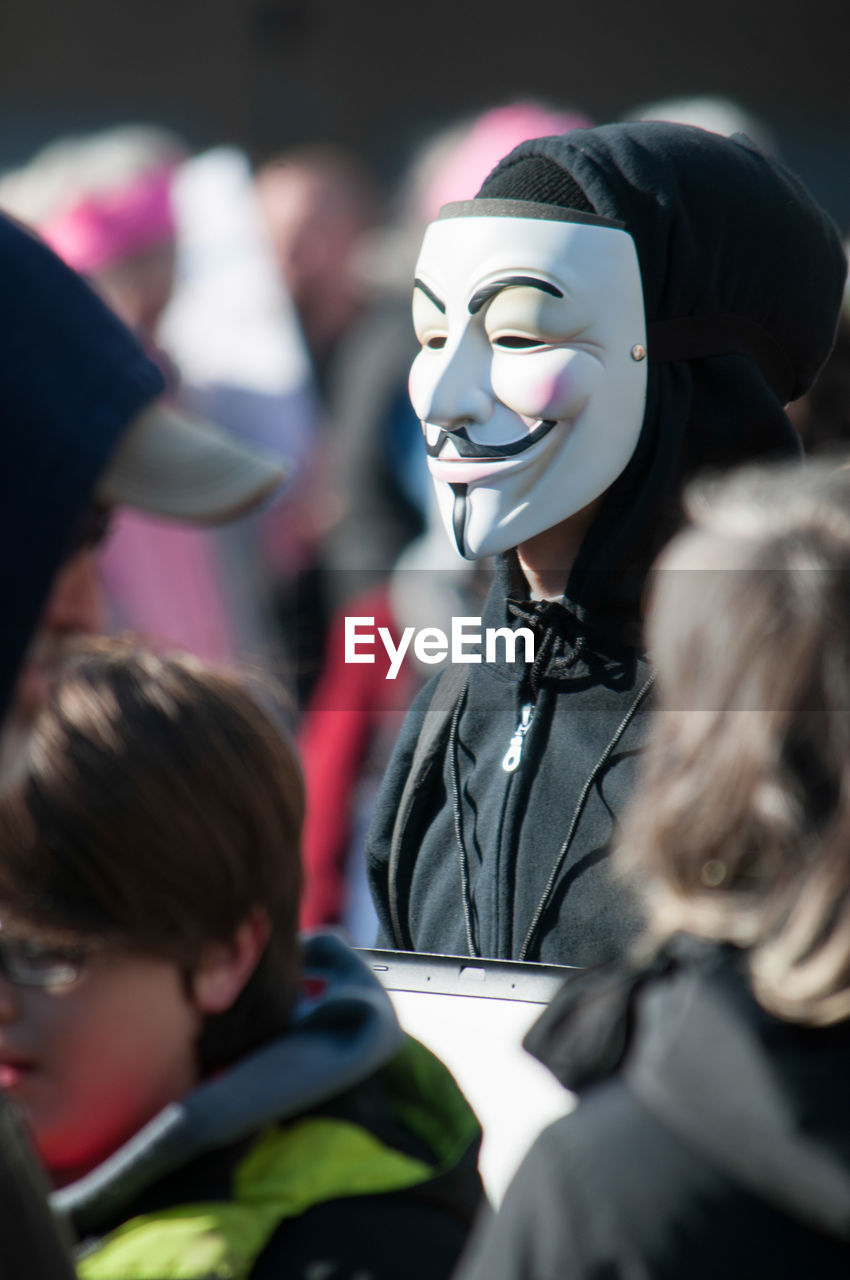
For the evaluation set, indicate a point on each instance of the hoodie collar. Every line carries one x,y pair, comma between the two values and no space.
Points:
571,646
340,1034
763,1099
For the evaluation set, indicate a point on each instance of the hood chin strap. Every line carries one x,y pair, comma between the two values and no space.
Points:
699,337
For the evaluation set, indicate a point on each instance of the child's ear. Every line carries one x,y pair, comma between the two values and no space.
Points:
225,967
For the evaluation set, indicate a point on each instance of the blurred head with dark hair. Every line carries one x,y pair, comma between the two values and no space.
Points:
149,884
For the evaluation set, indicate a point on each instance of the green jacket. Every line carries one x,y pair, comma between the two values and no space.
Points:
417,1145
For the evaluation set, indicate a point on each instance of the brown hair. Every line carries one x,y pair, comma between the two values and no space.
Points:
159,805
740,829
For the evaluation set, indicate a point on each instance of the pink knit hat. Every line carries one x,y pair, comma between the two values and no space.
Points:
110,226
491,137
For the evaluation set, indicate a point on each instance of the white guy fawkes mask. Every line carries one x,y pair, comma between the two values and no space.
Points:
531,381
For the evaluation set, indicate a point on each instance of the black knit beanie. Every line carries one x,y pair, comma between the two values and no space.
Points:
537,179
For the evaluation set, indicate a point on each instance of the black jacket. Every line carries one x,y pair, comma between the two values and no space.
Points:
766,266
710,1139
534,839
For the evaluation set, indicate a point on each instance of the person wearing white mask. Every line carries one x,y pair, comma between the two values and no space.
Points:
605,319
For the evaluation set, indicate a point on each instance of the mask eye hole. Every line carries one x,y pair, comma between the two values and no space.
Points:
513,342
436,342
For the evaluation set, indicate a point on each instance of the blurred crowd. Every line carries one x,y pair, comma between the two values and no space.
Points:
252,475
275,300
277,303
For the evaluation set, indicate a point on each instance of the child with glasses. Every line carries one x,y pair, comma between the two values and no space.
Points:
209,1096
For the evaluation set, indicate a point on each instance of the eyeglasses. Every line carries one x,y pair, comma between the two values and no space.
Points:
33,965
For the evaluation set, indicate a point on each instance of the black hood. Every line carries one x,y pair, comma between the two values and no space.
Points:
72,377
765,1100
737,261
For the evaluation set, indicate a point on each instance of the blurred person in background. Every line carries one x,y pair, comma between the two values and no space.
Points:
319,202
88,413
712,1135
105,203
208,1096
616,310
711,111
78,407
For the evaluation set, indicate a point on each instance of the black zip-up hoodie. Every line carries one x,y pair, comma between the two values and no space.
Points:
742,277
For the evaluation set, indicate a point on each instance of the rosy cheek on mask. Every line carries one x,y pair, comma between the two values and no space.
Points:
557,393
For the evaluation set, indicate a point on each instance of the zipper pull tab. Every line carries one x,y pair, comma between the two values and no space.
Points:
513,754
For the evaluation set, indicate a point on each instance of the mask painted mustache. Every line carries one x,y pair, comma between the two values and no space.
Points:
469,449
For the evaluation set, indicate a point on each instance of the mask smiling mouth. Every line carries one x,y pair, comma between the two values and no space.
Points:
489,463
468,449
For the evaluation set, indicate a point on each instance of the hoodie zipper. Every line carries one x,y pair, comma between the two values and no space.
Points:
513,755
577,812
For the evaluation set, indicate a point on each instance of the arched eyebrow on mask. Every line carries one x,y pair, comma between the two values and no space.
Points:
429,293
481,296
